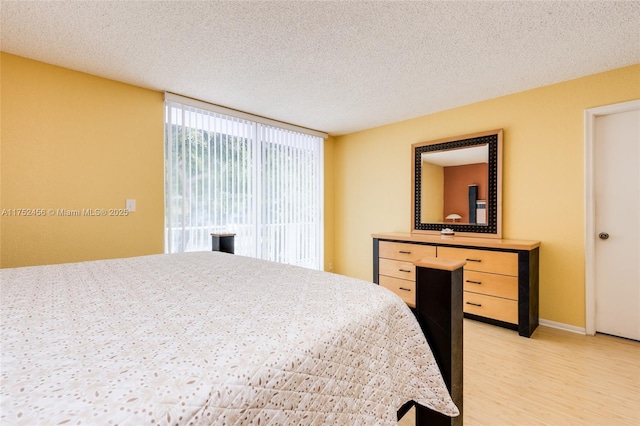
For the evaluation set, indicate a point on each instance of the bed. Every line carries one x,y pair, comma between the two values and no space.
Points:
207,338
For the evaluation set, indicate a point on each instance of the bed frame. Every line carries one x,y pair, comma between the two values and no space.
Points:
439,313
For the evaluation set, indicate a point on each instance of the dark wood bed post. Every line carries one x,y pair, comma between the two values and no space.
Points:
439,312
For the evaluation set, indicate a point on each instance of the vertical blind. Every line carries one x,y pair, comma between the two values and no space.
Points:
226,174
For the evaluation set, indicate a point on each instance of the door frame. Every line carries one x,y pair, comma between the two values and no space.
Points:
590,116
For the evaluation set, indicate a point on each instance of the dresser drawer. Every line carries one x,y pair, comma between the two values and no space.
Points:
403,288
495,262
404,251
398,269
491,307
505,286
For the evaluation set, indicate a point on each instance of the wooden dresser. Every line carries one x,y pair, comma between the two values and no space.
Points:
500,277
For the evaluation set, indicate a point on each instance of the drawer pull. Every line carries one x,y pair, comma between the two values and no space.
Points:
474,260
404,270
405,289
474,304
474,282
404,252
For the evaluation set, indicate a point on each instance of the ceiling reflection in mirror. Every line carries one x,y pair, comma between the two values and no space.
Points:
456,184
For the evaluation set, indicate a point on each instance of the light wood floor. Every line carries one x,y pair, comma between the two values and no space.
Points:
553,378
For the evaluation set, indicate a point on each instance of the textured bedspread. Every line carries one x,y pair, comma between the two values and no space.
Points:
207,338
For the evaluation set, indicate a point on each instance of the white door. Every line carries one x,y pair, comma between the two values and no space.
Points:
616,161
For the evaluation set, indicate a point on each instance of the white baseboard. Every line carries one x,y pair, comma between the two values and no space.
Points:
561,326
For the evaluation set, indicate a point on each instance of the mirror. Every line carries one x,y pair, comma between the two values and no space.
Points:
458,185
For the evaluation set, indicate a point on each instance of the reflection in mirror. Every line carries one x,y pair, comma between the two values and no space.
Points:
454,185
457,184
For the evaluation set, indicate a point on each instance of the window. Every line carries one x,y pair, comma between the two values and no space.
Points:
229,174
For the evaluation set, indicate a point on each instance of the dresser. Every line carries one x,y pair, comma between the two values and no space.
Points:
500,277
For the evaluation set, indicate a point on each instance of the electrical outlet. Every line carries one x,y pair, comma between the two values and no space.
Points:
130,205
331,266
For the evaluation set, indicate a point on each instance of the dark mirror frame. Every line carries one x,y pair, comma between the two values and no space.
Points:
493,228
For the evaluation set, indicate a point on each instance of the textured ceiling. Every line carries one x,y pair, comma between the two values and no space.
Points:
336,67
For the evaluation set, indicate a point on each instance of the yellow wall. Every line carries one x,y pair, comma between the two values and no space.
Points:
543,181
70,140
431,193
329,222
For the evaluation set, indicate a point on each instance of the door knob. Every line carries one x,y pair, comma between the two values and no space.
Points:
603,235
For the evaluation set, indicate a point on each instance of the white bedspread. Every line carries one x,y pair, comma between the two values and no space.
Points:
207,338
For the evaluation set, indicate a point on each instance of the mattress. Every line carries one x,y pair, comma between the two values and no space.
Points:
207,338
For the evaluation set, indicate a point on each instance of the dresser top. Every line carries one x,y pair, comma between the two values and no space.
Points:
459,241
